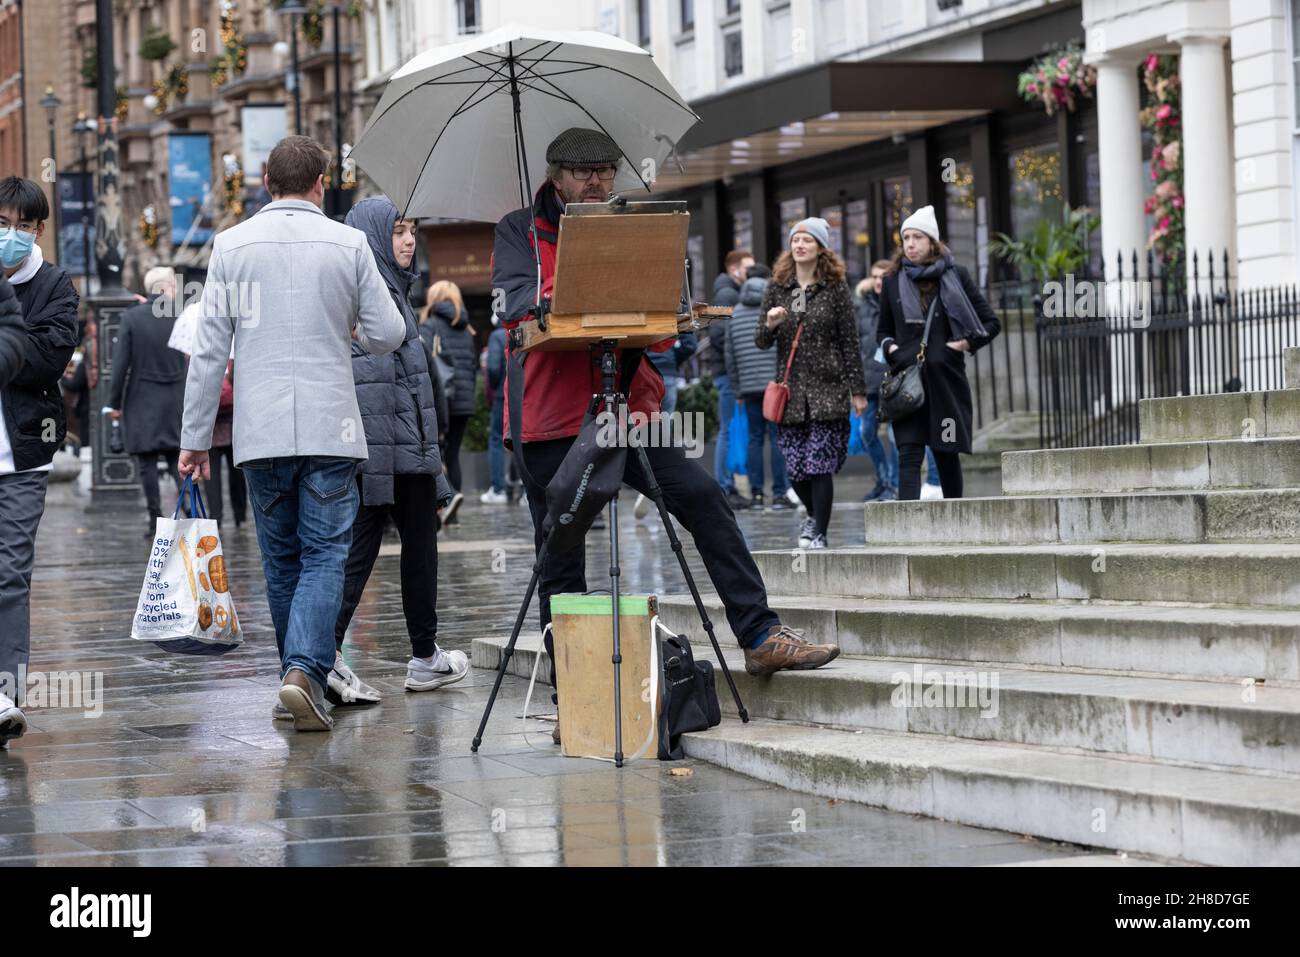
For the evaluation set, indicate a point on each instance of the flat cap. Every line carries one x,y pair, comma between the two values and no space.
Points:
579,146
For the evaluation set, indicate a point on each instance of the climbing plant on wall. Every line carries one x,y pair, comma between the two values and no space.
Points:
1163,117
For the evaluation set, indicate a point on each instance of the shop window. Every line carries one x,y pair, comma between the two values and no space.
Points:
643,22
792,210
467,16
959,208
898,206
742,230
1036,193
857,240
834,215
687,9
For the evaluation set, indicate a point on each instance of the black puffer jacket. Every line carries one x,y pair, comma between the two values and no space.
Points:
32,399
867,309
455,342
13,333
726,292
394,391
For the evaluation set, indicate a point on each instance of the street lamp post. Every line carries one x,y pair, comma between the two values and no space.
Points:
52,104
295,9
337,182
83,128
113,476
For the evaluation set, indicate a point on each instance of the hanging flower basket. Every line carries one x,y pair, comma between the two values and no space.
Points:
1058,80
149,226
157,46
1163,117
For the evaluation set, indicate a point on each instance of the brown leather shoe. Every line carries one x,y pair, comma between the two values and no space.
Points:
787,649
305,700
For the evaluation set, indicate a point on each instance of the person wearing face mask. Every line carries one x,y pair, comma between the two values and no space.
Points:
148,388
32,420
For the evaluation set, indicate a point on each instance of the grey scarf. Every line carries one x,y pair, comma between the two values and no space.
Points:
961,314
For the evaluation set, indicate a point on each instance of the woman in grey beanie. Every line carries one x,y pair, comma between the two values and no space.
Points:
808,297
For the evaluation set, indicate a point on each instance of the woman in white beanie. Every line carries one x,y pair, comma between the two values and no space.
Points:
808,297
927,281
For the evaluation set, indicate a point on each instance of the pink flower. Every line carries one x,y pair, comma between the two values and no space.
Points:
1177,202
1164,224
1171,153
1164,111
1150,205
1152,62
1167,189
1063,63
1153,174
1032,88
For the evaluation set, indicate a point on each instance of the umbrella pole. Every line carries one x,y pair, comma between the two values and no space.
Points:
526,186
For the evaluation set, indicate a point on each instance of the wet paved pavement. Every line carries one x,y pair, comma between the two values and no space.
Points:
185,766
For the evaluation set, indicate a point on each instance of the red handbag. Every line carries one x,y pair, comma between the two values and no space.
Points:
777,394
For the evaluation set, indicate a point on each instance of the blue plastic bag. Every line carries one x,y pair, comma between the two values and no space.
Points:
738,442
855,434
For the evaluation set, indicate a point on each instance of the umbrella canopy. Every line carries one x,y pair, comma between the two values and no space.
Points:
462,130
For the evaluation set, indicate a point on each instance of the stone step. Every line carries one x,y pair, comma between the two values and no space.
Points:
1214,574
1291,370
1229,644
1214,724
1234,515
1228,415
1180,720
1260,463
1192,814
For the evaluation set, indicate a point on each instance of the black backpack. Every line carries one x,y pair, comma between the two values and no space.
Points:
690,702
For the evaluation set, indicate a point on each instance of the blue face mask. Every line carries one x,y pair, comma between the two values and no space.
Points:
15,246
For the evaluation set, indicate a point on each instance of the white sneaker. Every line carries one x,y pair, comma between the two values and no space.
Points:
13,723
344,683
929,491
642,507
807,532
449,513
493,497
421,676
818,541
792,497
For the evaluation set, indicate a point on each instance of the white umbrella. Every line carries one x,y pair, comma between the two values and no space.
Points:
462,131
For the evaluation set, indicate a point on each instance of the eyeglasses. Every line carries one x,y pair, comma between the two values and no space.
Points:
21,227
606,173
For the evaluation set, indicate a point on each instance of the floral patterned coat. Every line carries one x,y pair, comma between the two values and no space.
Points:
827,367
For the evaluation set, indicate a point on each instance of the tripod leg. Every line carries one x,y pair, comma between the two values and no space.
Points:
657,495
617,659
510,646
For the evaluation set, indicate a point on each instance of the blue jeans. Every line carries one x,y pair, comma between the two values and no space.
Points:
931,469
886,462
304,507
496,450
726,409
760,428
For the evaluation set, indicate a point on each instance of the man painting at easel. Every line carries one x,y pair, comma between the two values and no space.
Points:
581,167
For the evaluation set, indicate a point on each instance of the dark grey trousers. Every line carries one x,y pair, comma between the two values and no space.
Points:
22,503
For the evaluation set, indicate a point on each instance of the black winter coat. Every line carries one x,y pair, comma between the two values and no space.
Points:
867,309
944,422
456,344
32,400
726,292
827,369
148,379
12,333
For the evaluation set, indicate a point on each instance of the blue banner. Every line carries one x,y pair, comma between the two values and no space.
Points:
189,176
76,222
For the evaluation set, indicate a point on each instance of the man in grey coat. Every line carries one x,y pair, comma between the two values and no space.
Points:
290,288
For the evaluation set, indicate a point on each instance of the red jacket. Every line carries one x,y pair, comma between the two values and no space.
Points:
558,386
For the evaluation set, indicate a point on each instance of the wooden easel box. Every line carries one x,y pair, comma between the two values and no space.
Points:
618,275
582,629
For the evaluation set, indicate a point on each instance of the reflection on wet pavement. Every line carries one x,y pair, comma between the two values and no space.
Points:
185,766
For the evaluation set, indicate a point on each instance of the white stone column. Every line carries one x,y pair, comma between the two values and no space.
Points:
803,21
753,29
1208,182
1120,158
708,41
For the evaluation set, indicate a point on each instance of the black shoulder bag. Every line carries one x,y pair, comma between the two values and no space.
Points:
689,701
902,393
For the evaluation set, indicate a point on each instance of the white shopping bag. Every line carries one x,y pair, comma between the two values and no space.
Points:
185,604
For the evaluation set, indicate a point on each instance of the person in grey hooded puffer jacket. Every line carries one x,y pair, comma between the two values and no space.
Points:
403,477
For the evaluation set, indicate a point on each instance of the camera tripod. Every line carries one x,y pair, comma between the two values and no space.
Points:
614,402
